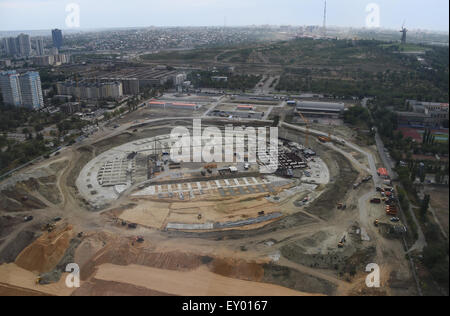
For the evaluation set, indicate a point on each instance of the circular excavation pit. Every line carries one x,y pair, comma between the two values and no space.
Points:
192,196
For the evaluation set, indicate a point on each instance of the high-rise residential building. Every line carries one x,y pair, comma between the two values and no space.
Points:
10,88
24,45
30,86
40,51
20,45
57,38
10,45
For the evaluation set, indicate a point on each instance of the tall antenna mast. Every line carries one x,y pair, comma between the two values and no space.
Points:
325,18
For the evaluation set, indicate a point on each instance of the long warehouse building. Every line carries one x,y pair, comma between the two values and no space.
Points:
320,109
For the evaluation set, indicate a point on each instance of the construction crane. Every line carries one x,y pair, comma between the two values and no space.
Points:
307,128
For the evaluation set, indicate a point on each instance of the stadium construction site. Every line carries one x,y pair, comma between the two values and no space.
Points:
139,222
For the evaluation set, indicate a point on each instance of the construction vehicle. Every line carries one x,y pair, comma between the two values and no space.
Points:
368,178
340,206
49,227
376,223
210,166
139,239
28,218
324,139
199,216
132,226
356,185
375,201
342,242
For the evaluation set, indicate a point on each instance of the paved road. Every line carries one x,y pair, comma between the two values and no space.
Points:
387,162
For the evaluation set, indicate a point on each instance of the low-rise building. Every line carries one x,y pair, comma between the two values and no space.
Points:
423,114
174,105
320,109
70,107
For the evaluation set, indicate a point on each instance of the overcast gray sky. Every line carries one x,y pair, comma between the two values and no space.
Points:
47,14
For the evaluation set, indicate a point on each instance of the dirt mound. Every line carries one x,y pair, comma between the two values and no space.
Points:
237,269
7,224
13,249
297,280
123,252
55,275
17,200
89,247
46,252
9,205
110,288
11,290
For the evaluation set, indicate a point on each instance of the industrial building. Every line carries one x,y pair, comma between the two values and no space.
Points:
145,76
320,109
174,105
238,114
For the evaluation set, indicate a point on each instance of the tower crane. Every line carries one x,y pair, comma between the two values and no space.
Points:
307,128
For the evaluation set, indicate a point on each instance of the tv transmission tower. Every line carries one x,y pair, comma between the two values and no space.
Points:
325,18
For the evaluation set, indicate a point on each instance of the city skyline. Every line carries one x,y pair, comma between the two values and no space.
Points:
26,15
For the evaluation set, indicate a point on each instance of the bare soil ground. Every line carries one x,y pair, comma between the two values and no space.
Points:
199,282
439,201
232,262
